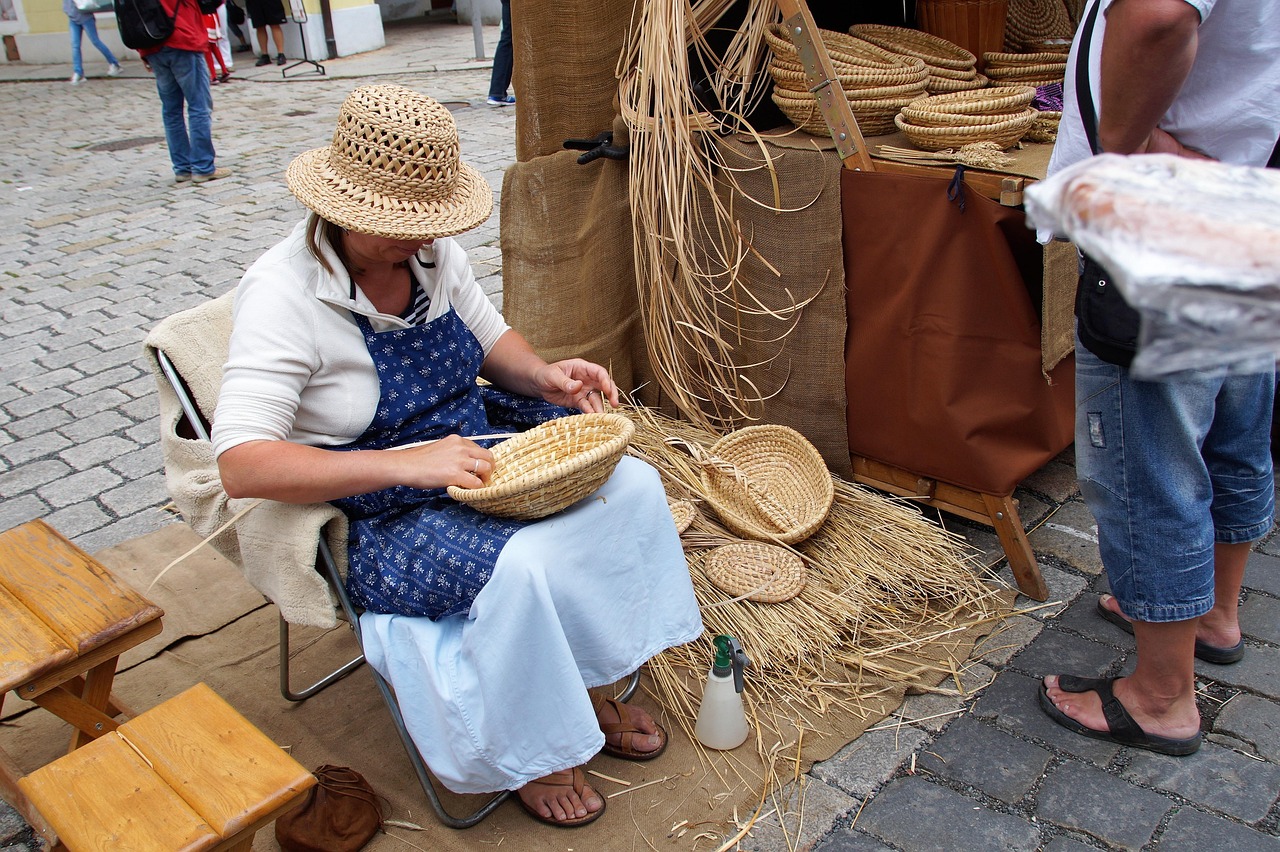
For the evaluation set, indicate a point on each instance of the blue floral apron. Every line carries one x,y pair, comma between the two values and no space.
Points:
415,551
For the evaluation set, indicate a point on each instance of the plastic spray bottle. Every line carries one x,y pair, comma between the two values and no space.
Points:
722,724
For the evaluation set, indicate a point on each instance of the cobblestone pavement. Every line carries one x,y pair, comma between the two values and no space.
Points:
100,245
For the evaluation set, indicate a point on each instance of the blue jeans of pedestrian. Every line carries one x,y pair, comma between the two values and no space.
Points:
182,78
89,26
1169,468
503,58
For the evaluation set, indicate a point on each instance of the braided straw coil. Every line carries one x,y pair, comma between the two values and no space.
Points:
1011,60
682,512
767,483
994,100
756,571
795,80
1029,24
550,467
937,52
941,85
392,170
1004,134
846,52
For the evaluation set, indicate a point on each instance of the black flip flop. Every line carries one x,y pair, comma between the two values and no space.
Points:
1204,651
1122,729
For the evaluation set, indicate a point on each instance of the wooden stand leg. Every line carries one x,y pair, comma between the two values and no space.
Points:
1003,515
9,775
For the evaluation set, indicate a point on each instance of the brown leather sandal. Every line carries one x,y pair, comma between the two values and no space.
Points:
628,729
575,778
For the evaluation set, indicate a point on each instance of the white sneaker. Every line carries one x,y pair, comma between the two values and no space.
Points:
77,79
114,71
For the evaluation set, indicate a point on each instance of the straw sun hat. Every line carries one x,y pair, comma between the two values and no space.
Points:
393,169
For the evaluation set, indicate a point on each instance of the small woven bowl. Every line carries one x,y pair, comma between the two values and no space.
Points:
757,571
936,51
682,512
802,111
994,100
767,483
550,467
940,85
1005,134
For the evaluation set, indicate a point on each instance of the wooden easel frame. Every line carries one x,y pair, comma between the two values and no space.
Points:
998,510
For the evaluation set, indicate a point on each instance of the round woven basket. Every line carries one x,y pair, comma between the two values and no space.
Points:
994,100
682,512
1005,134
846,52
767,483
1045,127
925,118
756,571
550,467
1029,72
797,81
875,118
935,51
941,85
1030,23
1010,60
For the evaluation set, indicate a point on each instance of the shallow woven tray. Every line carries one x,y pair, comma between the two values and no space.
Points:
1012,60
881,83
1005,134
682,512
936,52
550,467
846,52
1036,71
802,111
757,571
927,118
993,100
905,69
939,85
767,483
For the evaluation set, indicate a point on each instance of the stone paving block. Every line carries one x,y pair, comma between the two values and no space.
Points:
851,841
1063,586
19,510
1071,535
1192,829
1262,571
868,761
1010,636
125,378
37,446
32,403
819,804
137,495
79,518
1258,672
78,487
1057,652
1066,844
1088,800
1254,720
932,711
102,423
1260,618
98,451
1217,777
31,476
979,755
912,813
1011,702
1082,617
106,399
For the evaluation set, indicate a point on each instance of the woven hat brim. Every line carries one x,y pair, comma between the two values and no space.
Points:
313,181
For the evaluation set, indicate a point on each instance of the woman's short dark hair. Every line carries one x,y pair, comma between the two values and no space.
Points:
319,228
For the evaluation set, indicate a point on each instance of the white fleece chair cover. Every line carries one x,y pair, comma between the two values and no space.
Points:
274,544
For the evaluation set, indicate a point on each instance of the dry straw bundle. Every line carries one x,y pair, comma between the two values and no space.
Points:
951,67
876,82
882,584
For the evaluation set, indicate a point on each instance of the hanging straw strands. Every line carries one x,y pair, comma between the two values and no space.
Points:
884,585
689,246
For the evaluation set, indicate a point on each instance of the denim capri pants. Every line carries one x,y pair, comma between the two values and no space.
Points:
1169,468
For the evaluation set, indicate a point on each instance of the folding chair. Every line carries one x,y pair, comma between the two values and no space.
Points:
195,424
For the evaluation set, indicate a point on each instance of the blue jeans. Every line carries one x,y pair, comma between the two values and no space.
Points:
1169,468
182,76
89,26
503,59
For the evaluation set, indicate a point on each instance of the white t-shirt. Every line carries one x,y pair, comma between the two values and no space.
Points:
1229,105
298,368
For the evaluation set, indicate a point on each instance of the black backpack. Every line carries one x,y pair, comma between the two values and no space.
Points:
145,23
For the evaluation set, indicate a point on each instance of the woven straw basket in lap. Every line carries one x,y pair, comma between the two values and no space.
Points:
756,571
550,467
767,483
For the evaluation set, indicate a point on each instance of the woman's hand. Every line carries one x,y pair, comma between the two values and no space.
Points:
575,383
452,460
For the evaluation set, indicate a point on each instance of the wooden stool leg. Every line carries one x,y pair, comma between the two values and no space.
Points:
97,694
9,791
1003,512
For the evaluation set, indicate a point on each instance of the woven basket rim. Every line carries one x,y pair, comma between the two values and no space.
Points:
996,59
1005,133
887,99
852,95
502,492
782,74
943,85
737,561
991,100
936,51
999,74
842,48
920,118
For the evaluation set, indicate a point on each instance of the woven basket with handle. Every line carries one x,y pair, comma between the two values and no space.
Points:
550,467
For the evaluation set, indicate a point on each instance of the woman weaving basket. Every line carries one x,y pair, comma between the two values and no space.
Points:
365,330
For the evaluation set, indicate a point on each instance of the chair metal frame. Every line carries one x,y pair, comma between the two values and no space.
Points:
328,568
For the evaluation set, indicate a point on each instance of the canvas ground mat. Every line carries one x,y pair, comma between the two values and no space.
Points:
566,54
347,724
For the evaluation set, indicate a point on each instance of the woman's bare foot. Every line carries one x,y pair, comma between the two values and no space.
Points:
562,798
630,732
1213,628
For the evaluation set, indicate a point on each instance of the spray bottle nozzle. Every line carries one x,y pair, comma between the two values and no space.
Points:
730,657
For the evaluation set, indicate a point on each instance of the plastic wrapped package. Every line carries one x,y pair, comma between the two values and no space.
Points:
1194,245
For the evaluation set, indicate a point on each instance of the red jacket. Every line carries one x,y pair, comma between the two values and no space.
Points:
189,31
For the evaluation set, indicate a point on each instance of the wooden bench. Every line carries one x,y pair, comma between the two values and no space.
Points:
189,774
64,621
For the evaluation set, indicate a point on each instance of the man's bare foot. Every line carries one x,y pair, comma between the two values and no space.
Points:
630,732
562,799
1178,719
1212,630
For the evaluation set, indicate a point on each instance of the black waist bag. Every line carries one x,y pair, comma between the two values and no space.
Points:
1107,326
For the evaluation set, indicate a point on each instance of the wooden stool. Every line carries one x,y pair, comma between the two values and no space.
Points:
64,621
189,774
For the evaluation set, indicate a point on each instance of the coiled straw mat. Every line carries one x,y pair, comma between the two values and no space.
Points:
756,571
765,482
550,467
392,170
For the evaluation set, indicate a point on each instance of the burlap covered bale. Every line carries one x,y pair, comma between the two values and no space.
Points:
568,274
566,54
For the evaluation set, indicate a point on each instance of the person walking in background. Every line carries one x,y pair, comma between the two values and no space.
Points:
186,100
214,53
503,61
81,22
224,40
264,14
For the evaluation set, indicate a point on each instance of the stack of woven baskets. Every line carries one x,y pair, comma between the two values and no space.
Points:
951,67
1000,114
1025,69
876,82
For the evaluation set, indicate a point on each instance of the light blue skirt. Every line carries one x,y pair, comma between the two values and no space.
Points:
497,697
